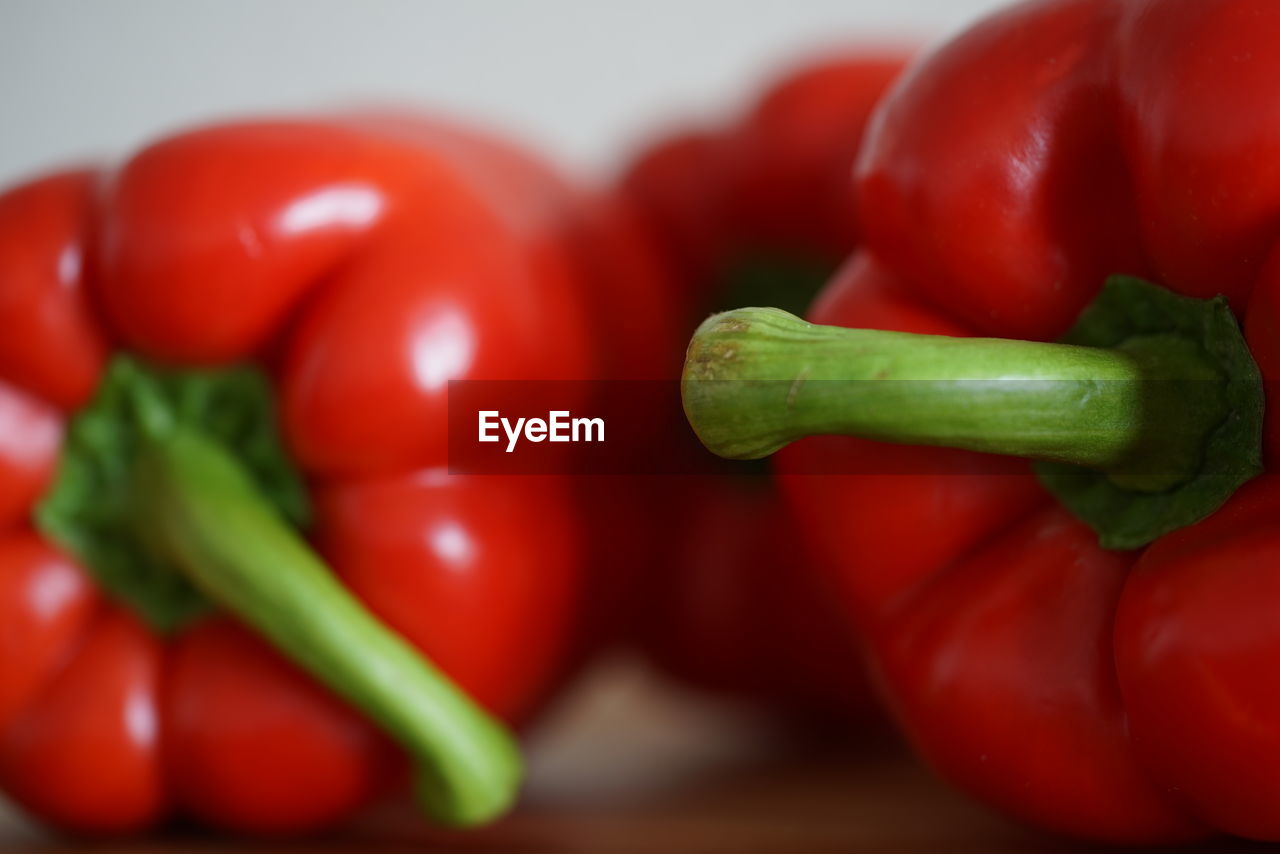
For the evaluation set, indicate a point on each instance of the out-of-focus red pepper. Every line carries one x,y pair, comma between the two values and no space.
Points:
756,210
735,609
768,189
1114,683
328,277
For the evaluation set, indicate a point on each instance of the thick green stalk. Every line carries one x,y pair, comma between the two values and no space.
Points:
756,379
197,506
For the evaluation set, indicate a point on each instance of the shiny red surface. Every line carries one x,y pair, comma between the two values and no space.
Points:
1125,697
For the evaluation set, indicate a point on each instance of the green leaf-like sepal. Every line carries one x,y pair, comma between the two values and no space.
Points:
1130,308
90,511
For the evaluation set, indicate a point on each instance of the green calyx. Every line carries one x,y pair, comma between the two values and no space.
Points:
1221,412
90,509
1144,421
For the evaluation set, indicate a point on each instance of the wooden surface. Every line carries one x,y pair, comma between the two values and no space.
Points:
625,767
810,805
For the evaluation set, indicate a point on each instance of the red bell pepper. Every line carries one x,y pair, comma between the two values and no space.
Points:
766,189
329,277
755,208
1091,649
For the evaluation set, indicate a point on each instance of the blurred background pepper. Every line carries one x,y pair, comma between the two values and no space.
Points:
753,211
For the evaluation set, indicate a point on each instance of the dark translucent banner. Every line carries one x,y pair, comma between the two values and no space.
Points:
640,427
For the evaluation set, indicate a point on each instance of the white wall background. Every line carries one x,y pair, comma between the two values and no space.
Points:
578,77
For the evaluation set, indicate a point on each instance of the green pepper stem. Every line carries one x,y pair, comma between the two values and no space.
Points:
198,506
756,379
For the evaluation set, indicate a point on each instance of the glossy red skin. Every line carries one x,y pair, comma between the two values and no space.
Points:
636,321
239,717
494,571
84,751
30,438
733,609
1123,697
365,262
52,344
